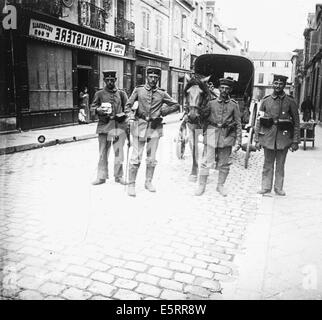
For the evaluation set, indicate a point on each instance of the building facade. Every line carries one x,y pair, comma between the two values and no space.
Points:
152,38
266,65
59,47
312,60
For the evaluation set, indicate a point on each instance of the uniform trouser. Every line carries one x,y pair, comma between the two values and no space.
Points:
151,150
272,157
224,162
105,143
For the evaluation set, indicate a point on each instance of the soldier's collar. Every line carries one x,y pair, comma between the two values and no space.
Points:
221,100
109,90
274,96
147,87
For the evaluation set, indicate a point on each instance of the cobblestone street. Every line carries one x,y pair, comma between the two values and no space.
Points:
62,238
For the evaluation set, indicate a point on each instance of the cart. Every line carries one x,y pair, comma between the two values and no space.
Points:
241,69
307,132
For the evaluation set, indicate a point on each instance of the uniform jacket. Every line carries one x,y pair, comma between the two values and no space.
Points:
106,123
150,106
278,107
223,112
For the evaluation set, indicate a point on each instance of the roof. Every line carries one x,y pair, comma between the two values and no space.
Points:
270,56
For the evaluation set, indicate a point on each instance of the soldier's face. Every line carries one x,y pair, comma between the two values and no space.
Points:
110,83
278,86
152,80
224,91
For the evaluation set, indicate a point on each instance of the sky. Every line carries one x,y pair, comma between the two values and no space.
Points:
272,25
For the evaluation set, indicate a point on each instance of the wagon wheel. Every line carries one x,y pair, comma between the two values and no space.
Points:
249,144
181,141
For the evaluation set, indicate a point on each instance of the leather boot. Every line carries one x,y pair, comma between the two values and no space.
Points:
202,185
133,170
98,181
118,173
221,181
221,190
148,179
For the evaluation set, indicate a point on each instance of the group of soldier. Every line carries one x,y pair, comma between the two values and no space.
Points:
141,115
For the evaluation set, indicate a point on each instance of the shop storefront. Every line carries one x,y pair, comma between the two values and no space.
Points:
54,60
144,59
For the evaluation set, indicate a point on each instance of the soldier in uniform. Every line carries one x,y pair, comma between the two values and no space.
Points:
224,128
109,104
146,125
277,131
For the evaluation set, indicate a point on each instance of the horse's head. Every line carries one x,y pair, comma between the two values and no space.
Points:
197,95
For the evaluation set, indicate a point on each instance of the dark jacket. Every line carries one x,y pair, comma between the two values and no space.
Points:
224,125
278,107
150,108
118,99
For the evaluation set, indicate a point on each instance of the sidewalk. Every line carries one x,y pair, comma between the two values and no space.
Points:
27,140
282,256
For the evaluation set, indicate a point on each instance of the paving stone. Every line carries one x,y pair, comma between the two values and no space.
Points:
207,258
184,277
172,257
161,272
206,283
147,278
96,265
113,262
31,283
102,276
50,288
172,295
202,273
171,284
76,281
156,262
125,283
149,290
103,289
124,273
123,294
79,270
76,294
136,266
198,291
30,295
178,266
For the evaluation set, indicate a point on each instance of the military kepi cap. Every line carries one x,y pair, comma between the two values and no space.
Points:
279,77
109,74
153,71
226,82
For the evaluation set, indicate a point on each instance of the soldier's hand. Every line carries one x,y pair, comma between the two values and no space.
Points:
101,111
294,147
258,146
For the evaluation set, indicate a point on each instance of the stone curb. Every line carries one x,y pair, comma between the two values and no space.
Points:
33,146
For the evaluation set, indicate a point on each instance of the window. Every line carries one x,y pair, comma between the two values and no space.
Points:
201,16
261,78
286,64
273,64
261,63
196,13
158,46
177,15
184,27
146,29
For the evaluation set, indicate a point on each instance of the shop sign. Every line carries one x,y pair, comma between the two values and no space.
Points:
46,31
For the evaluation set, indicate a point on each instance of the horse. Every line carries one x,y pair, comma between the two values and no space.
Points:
197,95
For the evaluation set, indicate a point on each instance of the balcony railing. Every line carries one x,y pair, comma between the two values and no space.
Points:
124,29
50,7
91,16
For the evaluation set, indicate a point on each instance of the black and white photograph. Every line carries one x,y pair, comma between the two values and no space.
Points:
166,150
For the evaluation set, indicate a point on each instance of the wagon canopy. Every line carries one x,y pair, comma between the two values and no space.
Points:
219,66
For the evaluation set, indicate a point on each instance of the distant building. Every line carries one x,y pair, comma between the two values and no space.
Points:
312,71
266,64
